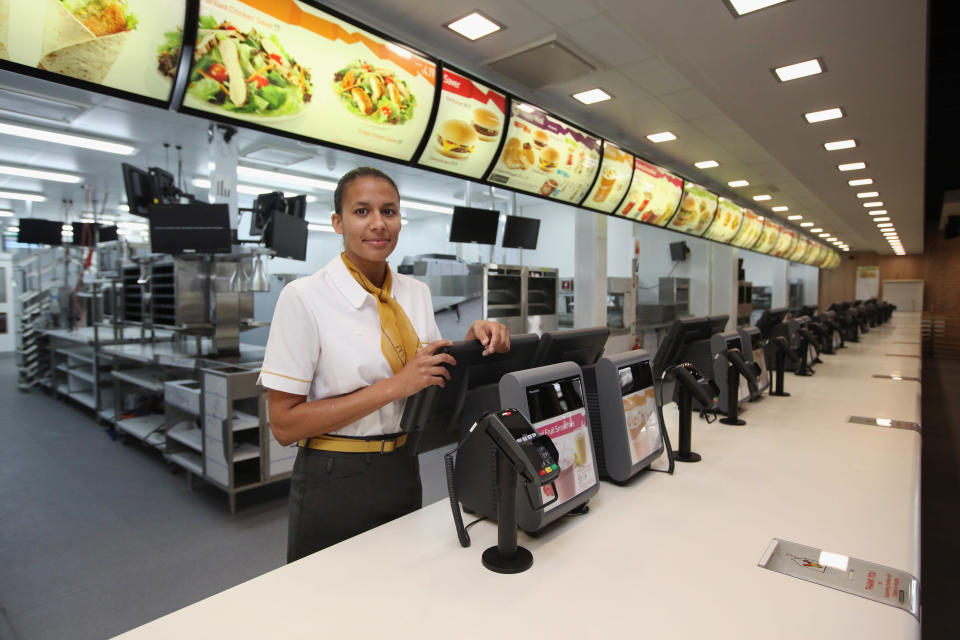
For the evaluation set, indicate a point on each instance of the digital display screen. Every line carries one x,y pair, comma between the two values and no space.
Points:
726,223
474,225
520,233
545,156
551,399
696,210
768,237
468,127
734,343
286,65
755,341
785,243
616,171
640,411
39,231
750,230
190,228
635,377
653,196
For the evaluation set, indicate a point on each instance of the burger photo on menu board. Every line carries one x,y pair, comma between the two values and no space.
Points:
540,139
487,124
549,158
456,139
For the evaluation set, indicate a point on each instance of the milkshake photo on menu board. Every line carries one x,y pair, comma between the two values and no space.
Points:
653,195
292,67
545,156
468,126
616,170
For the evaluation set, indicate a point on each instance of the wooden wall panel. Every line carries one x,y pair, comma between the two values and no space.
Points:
840,284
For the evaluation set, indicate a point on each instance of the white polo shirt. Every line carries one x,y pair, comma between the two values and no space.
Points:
325,340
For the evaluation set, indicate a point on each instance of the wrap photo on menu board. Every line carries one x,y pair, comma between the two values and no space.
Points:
750,230
616,171
111,43
696,210
726,223
545,156
286,65
768,237
468,127
653,196
785,243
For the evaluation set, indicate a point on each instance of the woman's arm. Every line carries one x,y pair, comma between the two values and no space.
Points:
292,418
494,336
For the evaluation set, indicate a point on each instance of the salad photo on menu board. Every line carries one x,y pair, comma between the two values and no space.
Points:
696,210
768,237
785,243
750,230
467,129
104,42
289,66
653,195
545,156
615,174
726,223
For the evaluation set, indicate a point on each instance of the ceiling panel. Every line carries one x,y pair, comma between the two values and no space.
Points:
656,76
562,12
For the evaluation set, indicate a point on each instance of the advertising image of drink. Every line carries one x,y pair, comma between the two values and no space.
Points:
548,187
607,180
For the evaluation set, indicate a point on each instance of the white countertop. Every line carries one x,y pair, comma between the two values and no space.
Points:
666,556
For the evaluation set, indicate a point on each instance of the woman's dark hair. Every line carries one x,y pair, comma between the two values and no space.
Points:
353,174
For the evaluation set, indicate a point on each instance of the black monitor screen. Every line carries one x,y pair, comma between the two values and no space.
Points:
678,251
264,206
474,225
520,233
552,399
83,233
734,343
40,231
190,228
770,319
582,346
718,324
681,333
755,341
297,206
141,190
635,377
108,234
287,235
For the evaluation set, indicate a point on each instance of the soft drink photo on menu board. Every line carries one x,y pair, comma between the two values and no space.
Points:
653,196
616,171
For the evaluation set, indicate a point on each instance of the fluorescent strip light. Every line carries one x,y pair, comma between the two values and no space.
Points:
124,206
738,183
882,225
878,212
798,70
13,229
69,139
871,205
425,206
26,197
743,7
817,230
761,197
663,136
852,166
826,114
277,177
831,238
247,189
883,219
66,227
839,144
6,213
890,233
824,235
592,96
706,164
781,208
846,249
860,182
806,224
39,174
321,227
868,194
792,217
474,26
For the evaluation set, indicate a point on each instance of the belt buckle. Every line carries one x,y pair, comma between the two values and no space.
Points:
383,444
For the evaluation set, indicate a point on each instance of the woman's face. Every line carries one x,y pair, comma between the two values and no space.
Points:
370,220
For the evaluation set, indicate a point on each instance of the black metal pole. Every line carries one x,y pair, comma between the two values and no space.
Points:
685,406
781,361
733,398
506,557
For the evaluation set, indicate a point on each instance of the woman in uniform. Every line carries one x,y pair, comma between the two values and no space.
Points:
347,346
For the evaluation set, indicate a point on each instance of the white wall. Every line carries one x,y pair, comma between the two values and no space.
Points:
767,271
810,276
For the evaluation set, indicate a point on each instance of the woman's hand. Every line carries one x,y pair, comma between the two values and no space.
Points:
494,336
425,369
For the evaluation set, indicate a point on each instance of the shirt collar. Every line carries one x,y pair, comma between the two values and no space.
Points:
348,287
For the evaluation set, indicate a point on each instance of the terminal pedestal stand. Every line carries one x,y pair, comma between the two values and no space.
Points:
685,405
733,399
506,557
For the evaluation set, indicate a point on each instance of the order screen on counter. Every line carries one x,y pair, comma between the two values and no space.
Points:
640,411
726,223
468,127
616,171
127,45
545,156
286,65
696,210
653,195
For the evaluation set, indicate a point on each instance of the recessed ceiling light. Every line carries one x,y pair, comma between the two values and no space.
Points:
6,213
279,178
474,26
806,224
798,70
831,238
781,208
706,164
826,114
884,224
26,197
817,230
868,194
738,183
592,96
852,166
69,139
878,212
871,205
321,227
426,206
39,174
846,249
743,7
890,233
761,197
246,189
760,218
824,235
882,219
859,182
663,136
839,144
791,217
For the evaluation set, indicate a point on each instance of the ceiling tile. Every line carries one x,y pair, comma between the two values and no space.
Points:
656,76
689,103
562,12
607,40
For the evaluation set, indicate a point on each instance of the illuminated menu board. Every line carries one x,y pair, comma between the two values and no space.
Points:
818,255
750,230
127,45
288,66
726,223
786,241
653,196
800,250
768,237
696,210
616,171
468,127
834,260
545,156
